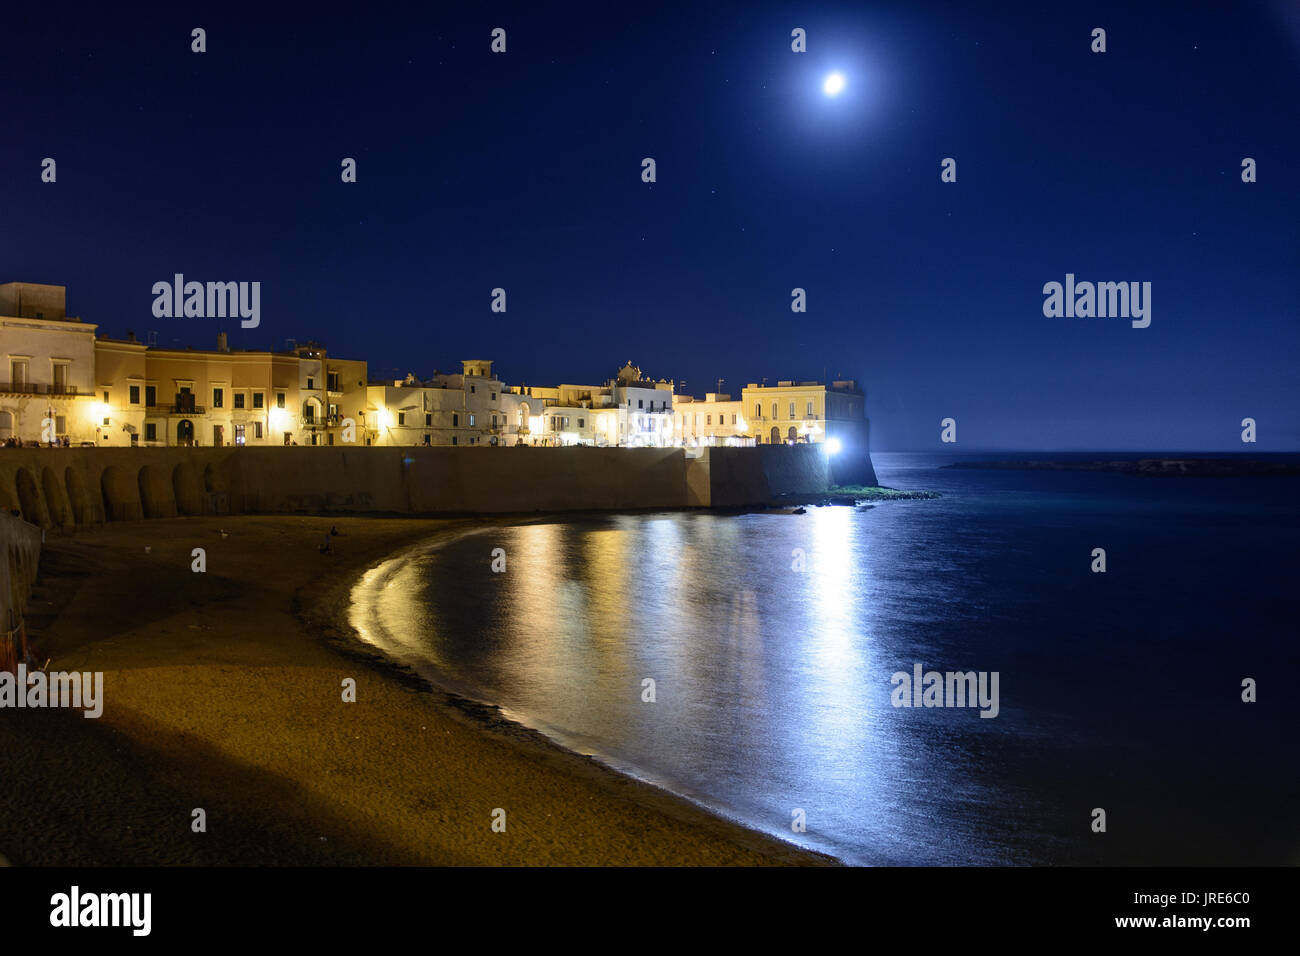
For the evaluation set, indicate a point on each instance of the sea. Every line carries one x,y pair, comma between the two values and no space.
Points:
1147,713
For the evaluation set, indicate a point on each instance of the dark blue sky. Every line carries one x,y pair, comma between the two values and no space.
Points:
523,171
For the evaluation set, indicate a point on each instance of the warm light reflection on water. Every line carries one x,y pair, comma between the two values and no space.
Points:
764,700
773,687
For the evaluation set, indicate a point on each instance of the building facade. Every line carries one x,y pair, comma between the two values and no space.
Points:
66,385
713,420
156,397
469,408
805,411
47,395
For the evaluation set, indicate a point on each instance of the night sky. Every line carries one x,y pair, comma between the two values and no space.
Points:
523,171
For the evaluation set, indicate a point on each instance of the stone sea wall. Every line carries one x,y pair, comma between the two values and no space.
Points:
66,488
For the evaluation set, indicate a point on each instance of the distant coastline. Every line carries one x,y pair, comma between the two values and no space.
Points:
1225,467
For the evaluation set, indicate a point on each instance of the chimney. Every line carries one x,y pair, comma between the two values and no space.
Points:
221,342
130,335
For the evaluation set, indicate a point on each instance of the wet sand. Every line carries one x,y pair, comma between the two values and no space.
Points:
223,691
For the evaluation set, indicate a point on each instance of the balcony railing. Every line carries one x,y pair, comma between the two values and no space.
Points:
37,388
183,409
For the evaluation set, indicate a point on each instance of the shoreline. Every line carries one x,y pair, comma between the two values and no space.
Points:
223,693
470,704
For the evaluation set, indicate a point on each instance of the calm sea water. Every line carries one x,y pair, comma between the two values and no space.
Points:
1118,690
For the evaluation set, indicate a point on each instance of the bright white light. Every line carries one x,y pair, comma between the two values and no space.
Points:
834,83
833,446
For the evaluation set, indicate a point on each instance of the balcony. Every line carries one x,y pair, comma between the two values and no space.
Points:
185,408
37,388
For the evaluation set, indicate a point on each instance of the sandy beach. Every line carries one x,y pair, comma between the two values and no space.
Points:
223,691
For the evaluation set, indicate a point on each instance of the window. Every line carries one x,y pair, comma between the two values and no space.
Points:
259,400
60,424
105,397
150,431
471,420
428,420
494,396
758,409
279,399
257,429
332,381
774,409
733,418
134,392
455,421
239,435
18,371
218,397
708,419
810,413
151,395
792,409
60,376
640,403
311,382
582,423
473,389
401,418
428,439
494,421
239,399
309,413
455,440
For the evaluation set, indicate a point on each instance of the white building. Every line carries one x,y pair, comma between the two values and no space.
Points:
49,362
468,408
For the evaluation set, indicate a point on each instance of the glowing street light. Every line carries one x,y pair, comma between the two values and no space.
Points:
834,84
833,446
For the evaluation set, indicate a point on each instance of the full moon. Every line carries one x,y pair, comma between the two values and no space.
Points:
834,83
